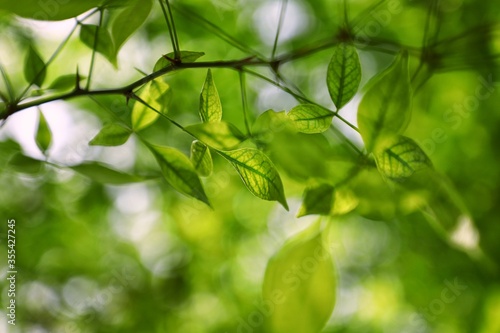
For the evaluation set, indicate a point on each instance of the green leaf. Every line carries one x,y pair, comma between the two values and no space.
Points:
105,45
344,74
128,19
179,172
186,57
111,135
201,158
221,135
48,10
401,158
258,173
318,199
210,105
43,137
104,174
157,95
24,164
300,285
34,67
310,119
385,109
65,82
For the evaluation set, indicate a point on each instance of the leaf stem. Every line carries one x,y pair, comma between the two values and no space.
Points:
8,83
170,29
280,24
94,49
244,101
176,38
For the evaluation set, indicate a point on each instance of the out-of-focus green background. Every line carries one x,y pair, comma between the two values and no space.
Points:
143,258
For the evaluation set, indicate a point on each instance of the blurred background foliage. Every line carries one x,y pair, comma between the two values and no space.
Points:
95,257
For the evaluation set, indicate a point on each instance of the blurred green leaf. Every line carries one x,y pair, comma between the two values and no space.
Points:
43,137
111,135
310,119
34,67
65,82
210,105
47,9
317,199
186,57
179,172
24,164
128,19
220,135
104,174
385,109
201,158
258,173
344,74
157,95
300,284
105,45
400,158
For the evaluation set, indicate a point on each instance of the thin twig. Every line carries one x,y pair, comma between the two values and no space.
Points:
280,24
94,49
244,102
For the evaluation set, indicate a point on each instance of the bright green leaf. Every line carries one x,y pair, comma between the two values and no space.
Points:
111,135
179,172
43,135
385,109
105,45
48,10
201,158
210,105
317,199
186,57
258,173
157,95
128,19
65,82
300,284
104,174
24,164
221,135
401,158
344,74
34,67
310,119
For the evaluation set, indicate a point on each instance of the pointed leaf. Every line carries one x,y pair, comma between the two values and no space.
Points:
318,199
344,74
219,135
300,284
186,57
105,45
258,173
210,106
43,136
201,158
128,19
66,82
401,158
310,119
385,109
34,67
157,95
104,174
179,172
24,164
111,135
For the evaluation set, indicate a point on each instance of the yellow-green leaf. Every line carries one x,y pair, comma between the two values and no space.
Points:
34,67
179,172
258,173
385,109
220,135
344,74
300,285
103,174
310,119
400,158
186,57
210,105
43,136
157,95
201,158
111,135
